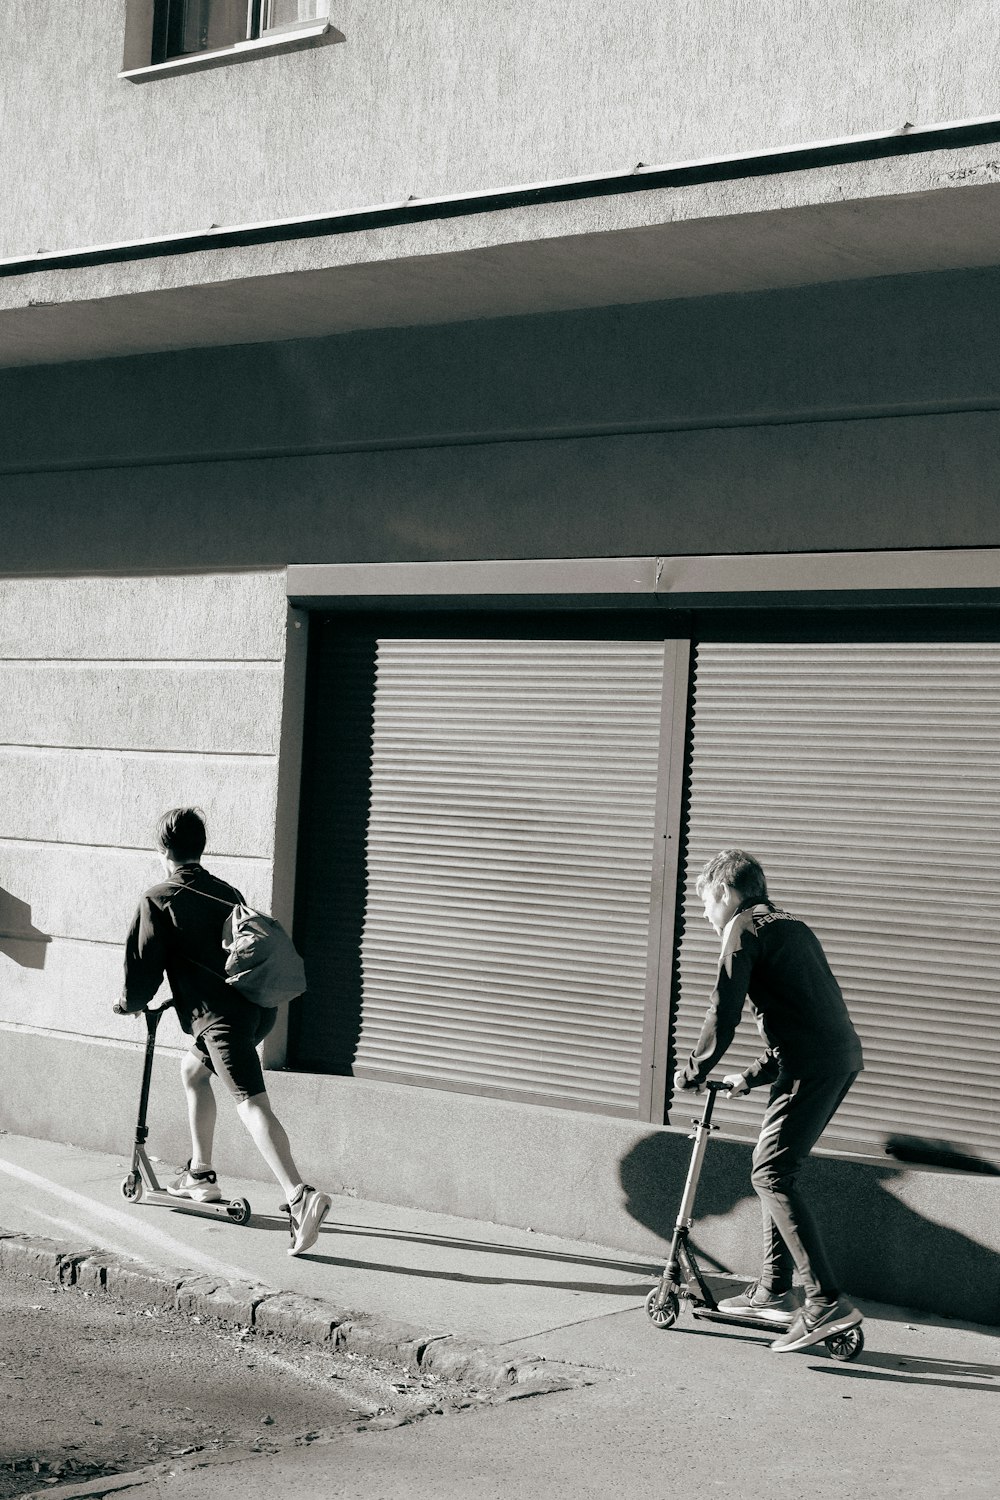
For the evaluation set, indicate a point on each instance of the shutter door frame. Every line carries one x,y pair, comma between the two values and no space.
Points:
666,887
911,706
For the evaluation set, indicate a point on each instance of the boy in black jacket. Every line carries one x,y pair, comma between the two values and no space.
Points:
812,1057
177,932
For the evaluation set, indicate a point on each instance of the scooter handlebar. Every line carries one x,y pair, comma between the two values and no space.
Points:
153,1010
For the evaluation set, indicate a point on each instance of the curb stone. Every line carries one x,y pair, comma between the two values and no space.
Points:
235,1302
295,1316
283,1314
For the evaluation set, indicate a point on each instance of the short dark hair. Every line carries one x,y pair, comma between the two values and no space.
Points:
180,834
737,869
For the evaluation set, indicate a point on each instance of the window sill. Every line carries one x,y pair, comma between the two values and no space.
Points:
265,46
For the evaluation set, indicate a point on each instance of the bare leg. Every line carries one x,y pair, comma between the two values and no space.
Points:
197,1081
269,1137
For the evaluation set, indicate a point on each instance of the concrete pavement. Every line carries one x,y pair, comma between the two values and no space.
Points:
457,1275
699,1408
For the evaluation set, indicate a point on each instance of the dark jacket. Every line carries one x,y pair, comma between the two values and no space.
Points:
177,933
778,962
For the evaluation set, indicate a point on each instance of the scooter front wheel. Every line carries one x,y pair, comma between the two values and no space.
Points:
132,1187
846,1345
665,1315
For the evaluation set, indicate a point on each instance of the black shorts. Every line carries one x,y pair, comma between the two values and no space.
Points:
229,1050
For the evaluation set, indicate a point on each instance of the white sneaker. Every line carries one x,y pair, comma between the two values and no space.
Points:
757,1302
200,1187
816,1324
305,1213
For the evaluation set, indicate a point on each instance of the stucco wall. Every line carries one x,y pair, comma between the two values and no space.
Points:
119,698
841,417
846,347
916,482
447,97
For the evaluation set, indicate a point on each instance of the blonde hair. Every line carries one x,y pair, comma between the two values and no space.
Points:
737,869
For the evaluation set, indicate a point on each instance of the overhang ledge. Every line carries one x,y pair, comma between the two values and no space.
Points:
872,206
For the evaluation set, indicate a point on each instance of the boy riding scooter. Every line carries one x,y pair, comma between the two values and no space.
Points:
812,1058
177,933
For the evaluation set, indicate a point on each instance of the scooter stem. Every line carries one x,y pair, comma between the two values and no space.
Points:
702,1131
152,1022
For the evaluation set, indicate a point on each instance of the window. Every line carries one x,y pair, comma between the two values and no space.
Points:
170,36
183,27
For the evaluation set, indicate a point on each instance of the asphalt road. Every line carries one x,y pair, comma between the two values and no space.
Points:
90,1387
693,1412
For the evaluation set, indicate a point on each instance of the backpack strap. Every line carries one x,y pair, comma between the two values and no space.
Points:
209,897
222,902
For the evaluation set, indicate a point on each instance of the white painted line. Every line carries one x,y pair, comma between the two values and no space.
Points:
182,1254
81,1230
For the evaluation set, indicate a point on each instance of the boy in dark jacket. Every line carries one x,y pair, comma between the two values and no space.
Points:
812,1057
177,932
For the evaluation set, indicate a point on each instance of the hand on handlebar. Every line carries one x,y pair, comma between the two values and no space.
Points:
736,1084
683,1085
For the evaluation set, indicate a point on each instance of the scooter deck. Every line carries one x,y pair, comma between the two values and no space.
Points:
141,1186
735,1320
236,1210
225,1208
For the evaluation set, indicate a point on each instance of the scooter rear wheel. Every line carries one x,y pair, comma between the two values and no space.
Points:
238,1210
664,1316
846,1345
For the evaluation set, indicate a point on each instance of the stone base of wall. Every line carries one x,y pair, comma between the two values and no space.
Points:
913,1237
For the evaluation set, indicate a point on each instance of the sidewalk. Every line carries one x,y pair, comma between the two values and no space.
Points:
700,1408
477,1281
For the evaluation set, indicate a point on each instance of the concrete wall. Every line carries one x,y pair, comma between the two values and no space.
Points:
121,697
916,1238
446,97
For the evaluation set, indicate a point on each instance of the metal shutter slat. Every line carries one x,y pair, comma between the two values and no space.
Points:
510,846
866,778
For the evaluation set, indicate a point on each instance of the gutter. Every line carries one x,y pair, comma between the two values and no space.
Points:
906,141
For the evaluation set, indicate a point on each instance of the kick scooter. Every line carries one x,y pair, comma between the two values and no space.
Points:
141,1185
682,1276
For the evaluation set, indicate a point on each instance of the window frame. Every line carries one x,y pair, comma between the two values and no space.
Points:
145,23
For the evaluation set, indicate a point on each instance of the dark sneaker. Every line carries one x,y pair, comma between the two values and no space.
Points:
200,1187
814,1324
305,1216
758,1302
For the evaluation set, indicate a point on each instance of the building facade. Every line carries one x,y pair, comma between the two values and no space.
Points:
490,462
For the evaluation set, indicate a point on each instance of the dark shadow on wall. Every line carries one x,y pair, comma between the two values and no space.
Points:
652,1175
332,884
20,940
881,1247
937,1153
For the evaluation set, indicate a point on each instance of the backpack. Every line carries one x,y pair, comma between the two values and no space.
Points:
262,962
261,959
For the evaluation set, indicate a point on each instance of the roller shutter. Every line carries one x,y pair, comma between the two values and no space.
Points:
509,858
866,779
